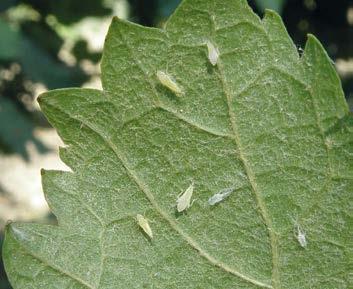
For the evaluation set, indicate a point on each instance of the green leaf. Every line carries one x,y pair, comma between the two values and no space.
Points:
262,120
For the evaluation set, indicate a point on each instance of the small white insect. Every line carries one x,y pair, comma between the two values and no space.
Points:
301,237
300,50
143,223
213,53
220,196
169,82
183,202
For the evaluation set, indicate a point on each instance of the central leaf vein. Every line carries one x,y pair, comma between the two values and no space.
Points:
144,188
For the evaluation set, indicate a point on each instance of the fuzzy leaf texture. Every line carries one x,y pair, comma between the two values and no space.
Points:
260,119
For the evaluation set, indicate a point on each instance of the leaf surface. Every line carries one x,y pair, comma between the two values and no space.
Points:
264,121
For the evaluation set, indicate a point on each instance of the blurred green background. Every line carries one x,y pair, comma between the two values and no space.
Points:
48,44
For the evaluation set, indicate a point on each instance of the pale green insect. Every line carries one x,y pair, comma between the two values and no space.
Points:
184,201
145,226
220,196
167,81
213,53
301,237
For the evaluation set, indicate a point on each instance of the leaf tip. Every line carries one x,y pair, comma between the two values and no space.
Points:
311,39
42,99
313,43
269,13
314,48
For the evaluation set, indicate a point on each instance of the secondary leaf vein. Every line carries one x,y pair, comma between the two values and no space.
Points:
143,187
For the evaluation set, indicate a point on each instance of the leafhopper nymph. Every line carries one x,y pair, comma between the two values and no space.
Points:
220,196
301,237
145,226
184,201
167,81
213,53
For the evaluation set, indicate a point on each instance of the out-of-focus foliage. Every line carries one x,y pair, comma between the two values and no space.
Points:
10,40
152,12
17,130
276,5
33,42
165,8
69,11
5,4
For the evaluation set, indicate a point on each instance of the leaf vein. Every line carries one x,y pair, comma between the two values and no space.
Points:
248,170
58,269
329,171
195,124
143,187
88,208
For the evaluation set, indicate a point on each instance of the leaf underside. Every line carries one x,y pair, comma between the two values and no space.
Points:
271,124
